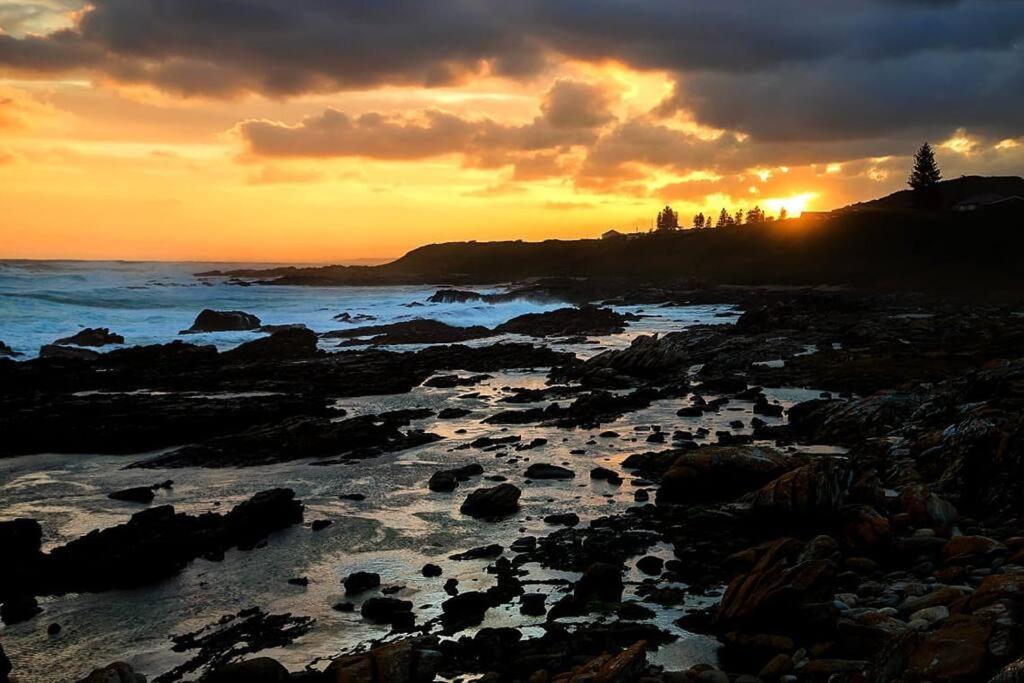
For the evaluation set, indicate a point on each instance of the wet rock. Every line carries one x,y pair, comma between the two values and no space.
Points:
384,610
402,661
67,353
257,670
650,565
957,651
6,350
54,629
452,413
448,480
961,547
222,321
431,570
464,610
17,609
118,672
603,474
478,553
450,381
532,604
321,524
546,471
92,336
157,543
356,497
498,501
601,581
135,494
453,296
418,331
816,488
360,582
719,472
563,519
21,540
290,343
567,322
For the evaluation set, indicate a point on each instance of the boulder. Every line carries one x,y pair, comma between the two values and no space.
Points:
960,547
258,670
958,651
67,353
360,582
545,471
135,494
814,489
222,321
568,322
19,608
464,610
118,672
283,344
92,336
385,610
719,473
419,331
601,581
498,501
6,350
402,661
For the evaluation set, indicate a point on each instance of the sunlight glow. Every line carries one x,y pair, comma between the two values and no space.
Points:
794,205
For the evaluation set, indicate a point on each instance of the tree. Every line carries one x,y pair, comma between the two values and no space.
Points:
924,177
668,219
783,214
755,215
724,219
698,220
738,220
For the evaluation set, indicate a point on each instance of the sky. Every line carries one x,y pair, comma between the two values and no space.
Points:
328,130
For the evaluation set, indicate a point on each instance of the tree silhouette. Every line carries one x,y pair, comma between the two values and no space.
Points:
668,219
724,219
738,220
698,220
755,215
924,177
783,214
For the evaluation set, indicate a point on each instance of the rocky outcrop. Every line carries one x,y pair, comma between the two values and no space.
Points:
91,336
568,322
6,350
499,501
720,473
811,491
290,343
223,321
408,332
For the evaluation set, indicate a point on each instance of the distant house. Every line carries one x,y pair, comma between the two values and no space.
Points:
612,235
982,201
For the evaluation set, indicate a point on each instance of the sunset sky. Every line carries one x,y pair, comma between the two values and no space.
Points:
324,130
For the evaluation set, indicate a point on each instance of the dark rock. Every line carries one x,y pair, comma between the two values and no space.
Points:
431,570
532,604
499,501
135,494
53,629
67,353
118,672
482,552
564,519
418,331
290,343
815,489
299,581
602,473
321,524
6,350
18,609
443,481
720,472
453,296
222,321
568,322
650,565
601,581
352,496
450,381
464,610
452,413
546,471
258,670
384,610
634,611
90,336
360,582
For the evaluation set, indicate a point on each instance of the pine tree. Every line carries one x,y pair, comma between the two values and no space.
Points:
739,217
698,221
724,219
783,214
925,173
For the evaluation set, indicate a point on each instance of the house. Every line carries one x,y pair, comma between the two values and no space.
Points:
612,235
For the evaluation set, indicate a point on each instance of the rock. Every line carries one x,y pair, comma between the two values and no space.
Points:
360,582
650,565
17,609
290,343
479,553
21,540
927,509
625,667
464,610
568,322
532,604
451,381
996,588
960,547
258,670
98,336
299,581
452,413
453,296
956,652
778,590
443,481
603,473
135,494
564,519
417,331
545,471
431,570
1011,673
719,472
67,353
222,321
321,524
499,501
5,666
814,489
400,661
54,629
384,610
601,581
118,672
6,350
634,611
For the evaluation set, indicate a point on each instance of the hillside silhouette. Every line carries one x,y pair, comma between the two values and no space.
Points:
884,243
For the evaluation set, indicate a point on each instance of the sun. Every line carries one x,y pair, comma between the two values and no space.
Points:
794,205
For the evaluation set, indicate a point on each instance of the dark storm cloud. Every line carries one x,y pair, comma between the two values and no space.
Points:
570,111
819,70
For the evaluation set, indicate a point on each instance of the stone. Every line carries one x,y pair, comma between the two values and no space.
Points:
545,471
499,501
464,610
383,609
135,494
601,581
650,565
360,582
431,570
956,652
719,473
257,670
223,321
90,336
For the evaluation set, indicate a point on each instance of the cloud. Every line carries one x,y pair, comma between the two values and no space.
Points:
575,104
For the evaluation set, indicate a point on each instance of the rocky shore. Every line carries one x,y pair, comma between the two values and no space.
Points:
894,554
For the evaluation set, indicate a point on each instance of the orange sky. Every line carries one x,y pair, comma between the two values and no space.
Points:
91,168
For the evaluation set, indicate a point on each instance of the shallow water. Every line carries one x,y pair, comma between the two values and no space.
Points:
400,526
